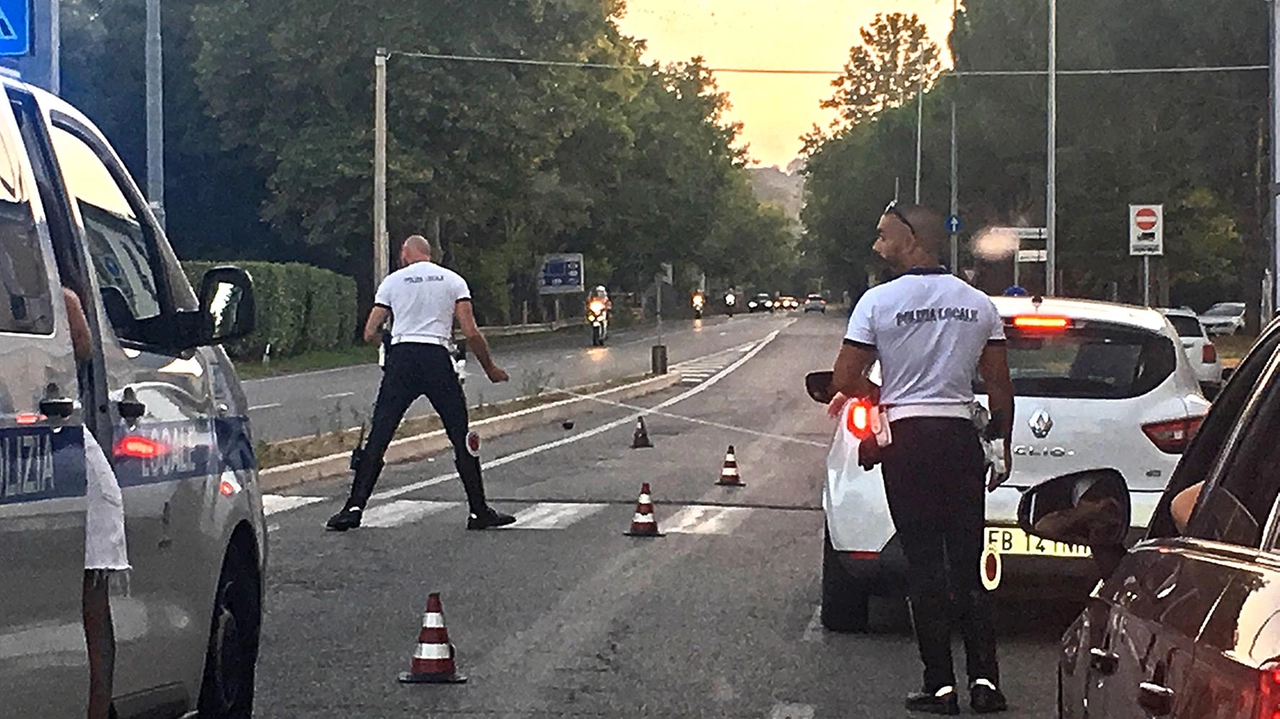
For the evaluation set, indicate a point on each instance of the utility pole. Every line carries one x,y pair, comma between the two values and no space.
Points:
1051,189
919,136
381,250
155,113
955,188
1274,299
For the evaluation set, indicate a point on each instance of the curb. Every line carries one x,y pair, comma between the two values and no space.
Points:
420,446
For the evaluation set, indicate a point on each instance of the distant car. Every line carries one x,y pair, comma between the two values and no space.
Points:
1096,385
1200,350
760,303
787,302
1184,623
815,303
1224,318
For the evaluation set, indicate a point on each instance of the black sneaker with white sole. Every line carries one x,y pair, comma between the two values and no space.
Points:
940,701
985,698
348,518
489,519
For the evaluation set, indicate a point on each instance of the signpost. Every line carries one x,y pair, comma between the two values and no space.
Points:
1146,239
561,274
15,28
658,354
1020,255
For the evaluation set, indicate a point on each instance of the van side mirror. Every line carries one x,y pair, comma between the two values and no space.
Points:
818,385
1090,508
226,299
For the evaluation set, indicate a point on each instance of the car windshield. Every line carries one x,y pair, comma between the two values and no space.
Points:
1186,326
1095,362
1225,309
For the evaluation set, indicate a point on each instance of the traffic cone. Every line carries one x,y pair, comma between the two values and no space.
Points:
432,661
644,523
640,440
729,473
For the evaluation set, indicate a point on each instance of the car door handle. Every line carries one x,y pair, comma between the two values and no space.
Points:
129,407
1103,662
60,407
1155,698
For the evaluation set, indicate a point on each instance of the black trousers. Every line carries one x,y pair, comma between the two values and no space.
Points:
410,371
934,481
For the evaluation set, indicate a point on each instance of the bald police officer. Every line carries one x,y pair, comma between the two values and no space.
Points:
930,331
422,299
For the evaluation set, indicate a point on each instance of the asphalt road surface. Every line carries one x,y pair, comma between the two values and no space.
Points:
561,615
312,403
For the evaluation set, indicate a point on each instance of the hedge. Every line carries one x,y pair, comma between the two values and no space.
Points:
300,308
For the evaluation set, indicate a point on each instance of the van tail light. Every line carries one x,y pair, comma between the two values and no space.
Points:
1269,691
859,419
1173,436
1208,353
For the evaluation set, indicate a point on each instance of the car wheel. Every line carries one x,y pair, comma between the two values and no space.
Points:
232,655
846,607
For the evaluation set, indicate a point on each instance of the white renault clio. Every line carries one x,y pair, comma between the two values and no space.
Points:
1097,385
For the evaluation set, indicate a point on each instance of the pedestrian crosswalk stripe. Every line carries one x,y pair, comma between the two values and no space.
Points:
554,515
403,511
274,503
698,519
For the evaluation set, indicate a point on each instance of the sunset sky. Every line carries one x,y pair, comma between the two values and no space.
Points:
792,34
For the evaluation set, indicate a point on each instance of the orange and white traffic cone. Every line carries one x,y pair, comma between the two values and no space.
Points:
729,473
640,440
644,523
432,661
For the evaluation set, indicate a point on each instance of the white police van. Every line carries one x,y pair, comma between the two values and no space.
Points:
163,401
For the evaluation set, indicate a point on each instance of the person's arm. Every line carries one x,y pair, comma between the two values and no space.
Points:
373,326
1182,505
81,339
850,375
475,340
993,366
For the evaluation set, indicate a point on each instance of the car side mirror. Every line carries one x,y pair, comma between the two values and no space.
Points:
226,299
1090,508
818,385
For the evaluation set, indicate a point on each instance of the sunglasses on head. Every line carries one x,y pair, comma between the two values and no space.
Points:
892,209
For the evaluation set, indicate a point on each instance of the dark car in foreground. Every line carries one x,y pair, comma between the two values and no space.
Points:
1186,622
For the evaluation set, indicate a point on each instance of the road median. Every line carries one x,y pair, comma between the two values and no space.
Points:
293,462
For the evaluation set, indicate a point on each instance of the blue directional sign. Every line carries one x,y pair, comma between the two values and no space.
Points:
15,27
561,274
953,224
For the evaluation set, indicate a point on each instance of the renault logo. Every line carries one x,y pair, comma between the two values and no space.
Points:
1041,423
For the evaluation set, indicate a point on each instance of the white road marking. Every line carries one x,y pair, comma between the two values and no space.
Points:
625,421
337,395
792,711
402,511
264,406
273,503
697,519
554,515
813,632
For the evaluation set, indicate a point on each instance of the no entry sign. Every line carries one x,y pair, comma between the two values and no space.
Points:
1146,230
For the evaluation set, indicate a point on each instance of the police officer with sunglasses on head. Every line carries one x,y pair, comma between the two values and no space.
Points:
931,331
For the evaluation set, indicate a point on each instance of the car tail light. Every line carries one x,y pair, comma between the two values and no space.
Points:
139,448
1269,691
859,420
1173,436
1208,353
1041,322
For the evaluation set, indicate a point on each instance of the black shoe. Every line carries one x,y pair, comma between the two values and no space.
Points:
348,518
985,698
489,519
942,701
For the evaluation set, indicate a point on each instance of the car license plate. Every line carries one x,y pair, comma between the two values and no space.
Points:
1012,540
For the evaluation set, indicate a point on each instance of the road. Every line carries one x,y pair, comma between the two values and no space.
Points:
562,615
330,400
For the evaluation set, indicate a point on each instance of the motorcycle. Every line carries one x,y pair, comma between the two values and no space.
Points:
730,303
698,302
598,318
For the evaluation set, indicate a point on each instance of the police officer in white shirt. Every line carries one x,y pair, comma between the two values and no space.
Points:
931,331
422,299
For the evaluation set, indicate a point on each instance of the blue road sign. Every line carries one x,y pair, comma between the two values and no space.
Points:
953,224
15,27
561,274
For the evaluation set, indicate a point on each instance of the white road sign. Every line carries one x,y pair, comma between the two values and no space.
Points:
1146,230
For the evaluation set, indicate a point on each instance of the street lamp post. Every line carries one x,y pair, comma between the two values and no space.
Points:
155,113
381,250
1051,189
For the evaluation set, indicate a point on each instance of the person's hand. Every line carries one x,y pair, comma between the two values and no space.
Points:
496,374
999,478
836,405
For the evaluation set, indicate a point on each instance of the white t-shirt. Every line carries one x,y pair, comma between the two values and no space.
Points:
422,298
929,329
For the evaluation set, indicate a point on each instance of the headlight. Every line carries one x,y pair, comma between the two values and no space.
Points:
751,304
596,306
